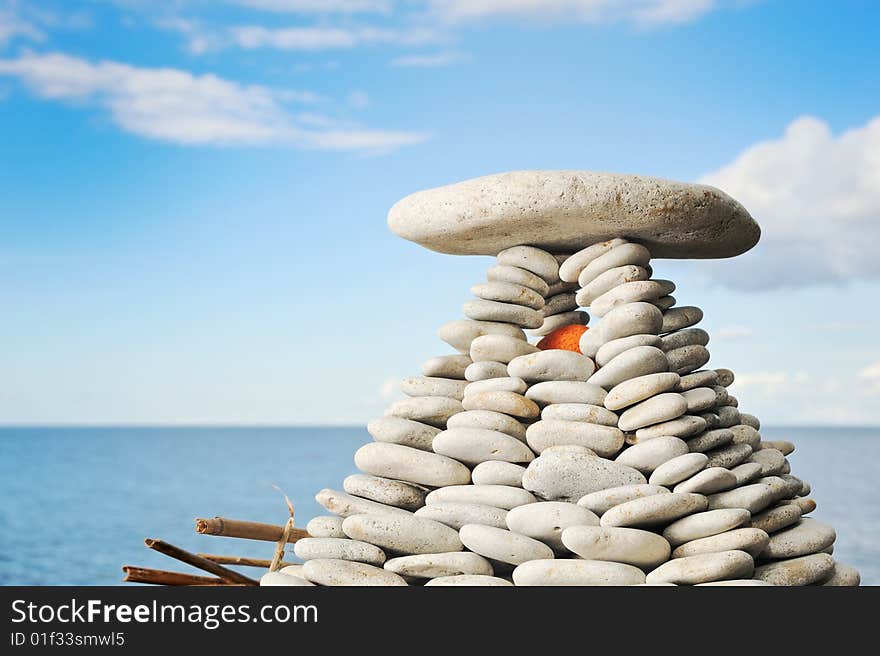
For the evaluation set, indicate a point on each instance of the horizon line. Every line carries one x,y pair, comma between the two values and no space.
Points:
4,426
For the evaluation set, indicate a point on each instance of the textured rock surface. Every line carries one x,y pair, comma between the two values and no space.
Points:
565,211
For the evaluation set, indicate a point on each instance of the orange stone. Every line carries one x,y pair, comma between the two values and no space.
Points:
566,338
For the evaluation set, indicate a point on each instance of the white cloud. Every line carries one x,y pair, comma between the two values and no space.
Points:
871,372
640,12
816,196
173,105
435,60
251,37
319,6
12,26
730,333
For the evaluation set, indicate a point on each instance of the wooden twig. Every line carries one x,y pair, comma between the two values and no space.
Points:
237,528
135,574
279,546
184,556
241,560
285,534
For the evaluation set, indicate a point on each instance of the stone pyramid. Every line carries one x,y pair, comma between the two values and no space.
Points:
602,455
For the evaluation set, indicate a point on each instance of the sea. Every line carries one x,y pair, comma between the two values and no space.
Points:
77,503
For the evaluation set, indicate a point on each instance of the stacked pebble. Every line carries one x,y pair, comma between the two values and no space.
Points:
626,464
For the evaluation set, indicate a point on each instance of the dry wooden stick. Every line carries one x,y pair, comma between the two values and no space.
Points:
224,573
243,561
285,535
279,546
237,528
135,574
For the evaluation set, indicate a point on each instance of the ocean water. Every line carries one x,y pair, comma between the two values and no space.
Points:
77,503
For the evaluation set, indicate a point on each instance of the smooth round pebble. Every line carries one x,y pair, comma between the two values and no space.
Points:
591,414
686,337
546,520
804,570
497,496
702,378
549,365
699,399
704,568
678,469
405,432
603,500
659,408
636,362
571,268
619,255
681,317
500,384
631,292
754,498
433,386
488,420
455,514
496,472
475,445
431,410
446,366
729,456
751,540
639,389
331,572
461,333
277,579
803,538
747,472
325,526
566,391
725,377
605,441
508,403
630,319
569,475
654,510
434,565
344,505
703,524
518,276
776,518
684,427
686,359
385,490
499,348
610,279
508,292
339,549
615,347
842,575
576,572
405,535
493,311
407,464
708,481
632,546
538,261
484,370
469,580
502,545
648,456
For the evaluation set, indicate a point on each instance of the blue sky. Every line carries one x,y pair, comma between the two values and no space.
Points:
193,198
